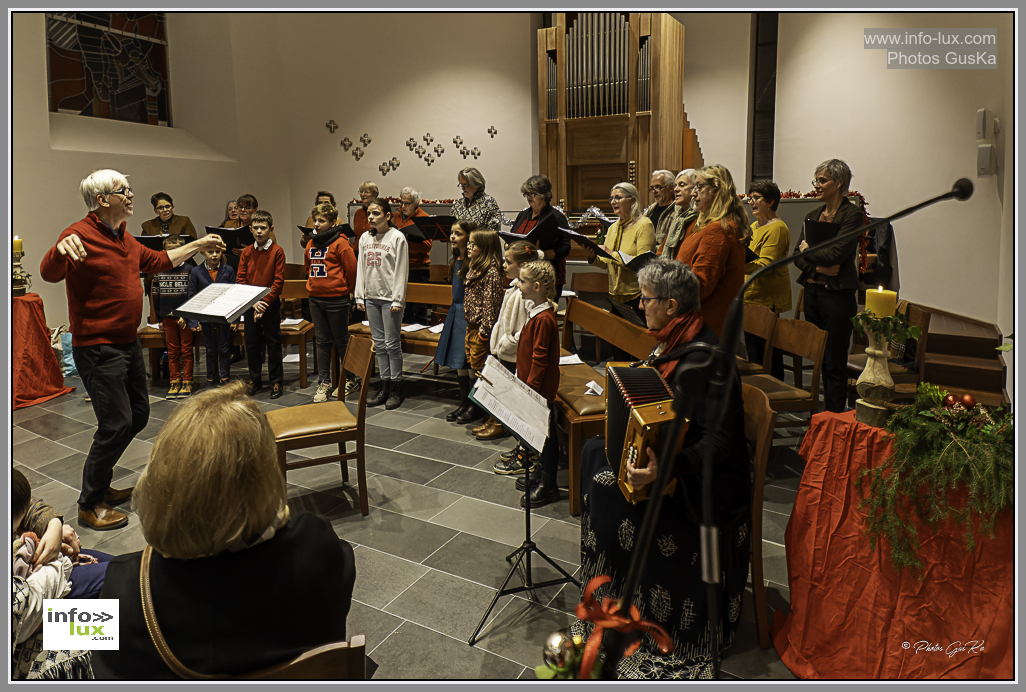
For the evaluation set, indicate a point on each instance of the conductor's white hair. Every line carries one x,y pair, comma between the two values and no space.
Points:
101,182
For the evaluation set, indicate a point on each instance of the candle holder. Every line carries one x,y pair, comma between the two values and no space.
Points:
21,280
875,385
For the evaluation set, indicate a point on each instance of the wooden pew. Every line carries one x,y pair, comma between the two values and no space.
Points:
584,416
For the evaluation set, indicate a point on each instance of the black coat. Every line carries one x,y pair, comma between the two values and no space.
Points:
234,613
559,244
848,216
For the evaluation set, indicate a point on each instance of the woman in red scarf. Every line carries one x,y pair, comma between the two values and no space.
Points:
671,592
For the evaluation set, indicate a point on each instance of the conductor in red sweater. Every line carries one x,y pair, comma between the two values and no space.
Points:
100,264
263,264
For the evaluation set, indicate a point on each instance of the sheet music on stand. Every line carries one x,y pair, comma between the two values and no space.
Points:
222,303
523,411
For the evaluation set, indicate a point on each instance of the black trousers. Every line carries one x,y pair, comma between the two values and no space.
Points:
115,378
262,332
331,326
832,311
217,343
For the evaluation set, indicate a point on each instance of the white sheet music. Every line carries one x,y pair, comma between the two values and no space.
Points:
513,403
222,301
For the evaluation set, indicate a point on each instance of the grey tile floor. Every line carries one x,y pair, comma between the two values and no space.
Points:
431,553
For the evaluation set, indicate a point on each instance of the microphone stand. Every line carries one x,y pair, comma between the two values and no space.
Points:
712,378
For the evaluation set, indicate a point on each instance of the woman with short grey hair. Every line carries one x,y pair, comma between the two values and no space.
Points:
684,212
475,205
671,280
537,191
414,195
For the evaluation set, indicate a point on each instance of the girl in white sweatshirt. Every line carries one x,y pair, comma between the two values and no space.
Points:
382,269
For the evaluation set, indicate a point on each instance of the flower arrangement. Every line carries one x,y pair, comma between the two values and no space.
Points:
894,327
941,443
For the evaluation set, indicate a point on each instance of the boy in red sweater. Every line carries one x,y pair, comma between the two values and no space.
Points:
263,264
538,367
100,264
331,277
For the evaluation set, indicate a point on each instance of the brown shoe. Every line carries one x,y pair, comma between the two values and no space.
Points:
116,497
492,433
484,426
102,517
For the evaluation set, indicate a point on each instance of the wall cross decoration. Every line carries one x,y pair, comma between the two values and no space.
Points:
383,168
420,151
457,140
394,163
411,143
476,152
331,125
365,139
345,144
492,131
464,151
430,159
358,153
439,150
428,138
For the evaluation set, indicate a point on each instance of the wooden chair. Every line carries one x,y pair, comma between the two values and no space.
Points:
905,382
759,423
312,425
335,661
760,321
298,334
586,282
803,340
797,367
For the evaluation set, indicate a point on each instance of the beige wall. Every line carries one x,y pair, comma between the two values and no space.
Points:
716,73
250,96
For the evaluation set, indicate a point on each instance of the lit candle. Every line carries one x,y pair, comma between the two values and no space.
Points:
880,302
17,244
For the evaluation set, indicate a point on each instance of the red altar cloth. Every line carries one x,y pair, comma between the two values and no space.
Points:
852,616
35,374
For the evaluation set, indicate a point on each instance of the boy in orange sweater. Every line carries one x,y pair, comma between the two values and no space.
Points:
263,264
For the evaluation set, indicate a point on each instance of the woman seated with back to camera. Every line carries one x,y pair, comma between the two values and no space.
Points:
673,594
237,584
770,240
713,245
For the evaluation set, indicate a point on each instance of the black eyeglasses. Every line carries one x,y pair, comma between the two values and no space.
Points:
821,181
463,186
642,301
126,191
657,188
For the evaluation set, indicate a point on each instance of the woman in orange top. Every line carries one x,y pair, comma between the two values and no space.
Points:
713,245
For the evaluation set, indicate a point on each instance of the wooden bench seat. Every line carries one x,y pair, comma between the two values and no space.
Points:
584,416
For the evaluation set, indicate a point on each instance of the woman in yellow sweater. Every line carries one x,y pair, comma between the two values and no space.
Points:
633,234
770,241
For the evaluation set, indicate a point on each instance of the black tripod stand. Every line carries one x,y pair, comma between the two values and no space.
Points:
524,553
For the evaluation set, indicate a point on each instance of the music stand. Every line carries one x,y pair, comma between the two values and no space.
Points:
524,553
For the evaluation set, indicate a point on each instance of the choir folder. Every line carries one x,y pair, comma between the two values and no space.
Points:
222,303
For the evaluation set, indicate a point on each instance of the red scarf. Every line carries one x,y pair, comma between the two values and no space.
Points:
679,330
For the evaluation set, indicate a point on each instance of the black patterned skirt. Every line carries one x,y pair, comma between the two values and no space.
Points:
671,591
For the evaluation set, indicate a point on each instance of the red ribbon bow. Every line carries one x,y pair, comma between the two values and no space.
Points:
604,616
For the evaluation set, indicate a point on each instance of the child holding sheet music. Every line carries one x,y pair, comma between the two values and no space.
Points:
263,264
170,290
482,300
538,367
382,268
331,279
506,336
217,338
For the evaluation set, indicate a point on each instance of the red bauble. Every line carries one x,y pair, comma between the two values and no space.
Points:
950,400
968,400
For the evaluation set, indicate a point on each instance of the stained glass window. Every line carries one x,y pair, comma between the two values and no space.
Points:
109,65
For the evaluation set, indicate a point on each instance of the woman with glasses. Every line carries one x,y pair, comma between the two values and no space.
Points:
166,223
671,591
475,205
771,240
713,245
830,278
537,190
684,213
633,234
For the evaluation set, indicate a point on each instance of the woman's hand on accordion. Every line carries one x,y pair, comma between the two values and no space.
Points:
639,477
